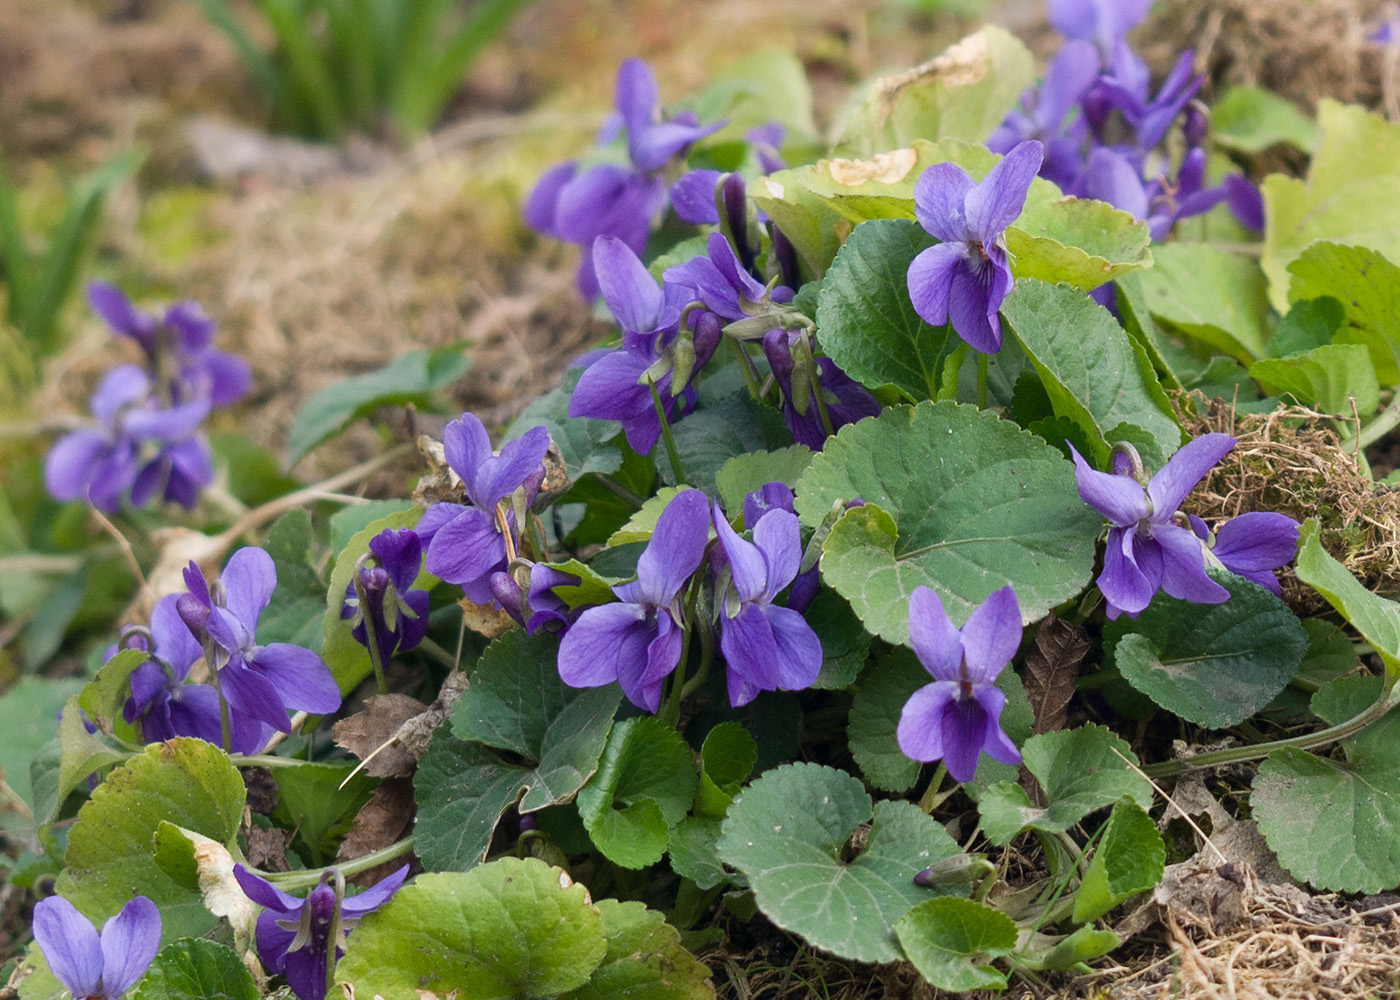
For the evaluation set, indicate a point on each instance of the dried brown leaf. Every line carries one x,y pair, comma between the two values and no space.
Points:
1052,669
366,731
382,821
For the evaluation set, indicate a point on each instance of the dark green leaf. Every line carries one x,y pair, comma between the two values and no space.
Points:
1213,664
194,969
956,499
949,941
410,378
1128,860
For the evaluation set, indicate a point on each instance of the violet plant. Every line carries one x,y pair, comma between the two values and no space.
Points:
603,649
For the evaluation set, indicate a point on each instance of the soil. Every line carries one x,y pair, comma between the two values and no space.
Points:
319,264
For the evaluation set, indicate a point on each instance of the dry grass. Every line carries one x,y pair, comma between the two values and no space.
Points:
1301,49
1290,460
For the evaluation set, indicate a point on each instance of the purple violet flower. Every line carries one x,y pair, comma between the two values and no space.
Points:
141,446
259,682
295,936
790,357
966,276
383,584
536,607
609,199
1111,176
185,334
1147,548
1125,89
719,280
958,717
637,642
695,193
778,496
1104,22
464,542
1048,111
617,385
1251,545
97,966
162,705
766,647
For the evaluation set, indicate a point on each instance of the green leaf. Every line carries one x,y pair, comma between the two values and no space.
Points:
727,758
80,753
726,424
1079,241
875,711
645,959
1210,295
694,850
1365,282
587,445
964,93
1079,773
1094,373
30,709
195,969
298,604
1335,378
788,833
509,929
1214,664
254,475
409,378
743,474
103,698
516,703
949,940
316,803
1376,618
1335,823
349,521
867,321
1350,195
1308,323
957,500
1062,954
639,526
592,588
348,660
110,858
461,789
645,785
1251,119
1129,860
845,643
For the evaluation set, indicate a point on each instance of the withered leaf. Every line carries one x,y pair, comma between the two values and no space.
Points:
383,820
366,731
1052,668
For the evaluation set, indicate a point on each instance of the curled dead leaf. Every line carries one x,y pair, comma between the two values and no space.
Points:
887,168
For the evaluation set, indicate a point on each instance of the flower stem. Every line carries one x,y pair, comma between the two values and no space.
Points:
308,877
981,380
932,799
1388,700
746,366
671,452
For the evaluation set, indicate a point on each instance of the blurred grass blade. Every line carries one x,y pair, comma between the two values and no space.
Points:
16,267
429,85
68,246
264,72
309,67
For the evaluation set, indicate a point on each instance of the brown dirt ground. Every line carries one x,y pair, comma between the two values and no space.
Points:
397,250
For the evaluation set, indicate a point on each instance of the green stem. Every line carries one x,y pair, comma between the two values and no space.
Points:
746,366
707,655
981,380
1388,700
672,713
671,452
437,652
618,490
931,799
308,877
